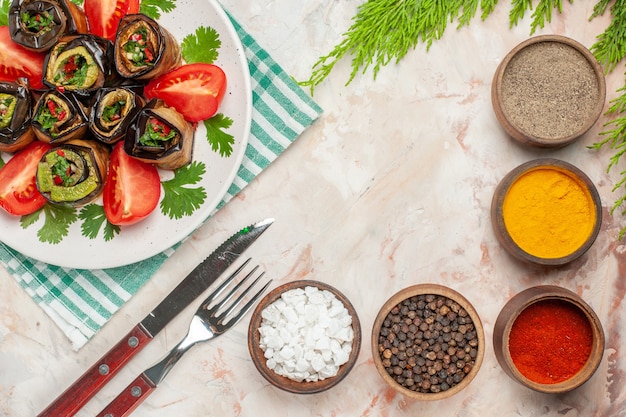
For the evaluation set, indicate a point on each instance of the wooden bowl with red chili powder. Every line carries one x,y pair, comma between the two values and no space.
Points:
548,339
547,212
548,91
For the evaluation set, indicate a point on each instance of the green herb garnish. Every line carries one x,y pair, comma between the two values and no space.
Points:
201,46
154,8
5,5
217,137
93,218
7,109
156,133
57,222
113,112
37,22
137,49
179,198
73,71
49,114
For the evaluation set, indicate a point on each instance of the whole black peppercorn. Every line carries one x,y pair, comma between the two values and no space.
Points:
432,343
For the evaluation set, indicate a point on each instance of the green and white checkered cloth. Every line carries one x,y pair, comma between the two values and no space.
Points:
80,302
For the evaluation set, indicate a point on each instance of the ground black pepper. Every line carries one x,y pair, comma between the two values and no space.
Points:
549,90
428,343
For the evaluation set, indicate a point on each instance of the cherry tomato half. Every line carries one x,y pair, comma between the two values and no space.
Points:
18,188
132,188
194,90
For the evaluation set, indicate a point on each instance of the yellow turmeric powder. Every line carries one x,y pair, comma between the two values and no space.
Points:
548,213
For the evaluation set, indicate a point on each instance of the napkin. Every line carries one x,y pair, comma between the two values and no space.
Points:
80,302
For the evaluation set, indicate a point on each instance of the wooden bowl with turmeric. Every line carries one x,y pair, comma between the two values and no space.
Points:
548,91
546,211
549,339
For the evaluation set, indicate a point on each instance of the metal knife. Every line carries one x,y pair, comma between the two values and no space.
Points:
198,280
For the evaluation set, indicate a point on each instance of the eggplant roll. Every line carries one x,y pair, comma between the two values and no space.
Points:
58,118
38,25
78,64
16,130
112,112
144,49
73,173
161,136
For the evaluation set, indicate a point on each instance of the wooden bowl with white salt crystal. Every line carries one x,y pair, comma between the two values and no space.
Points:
304,337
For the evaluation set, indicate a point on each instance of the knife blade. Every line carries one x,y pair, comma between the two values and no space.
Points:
194,284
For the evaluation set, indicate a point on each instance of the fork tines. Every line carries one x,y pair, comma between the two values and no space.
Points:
218,306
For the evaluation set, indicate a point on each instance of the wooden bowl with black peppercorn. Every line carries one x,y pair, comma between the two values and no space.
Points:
548,91
548,339
428,342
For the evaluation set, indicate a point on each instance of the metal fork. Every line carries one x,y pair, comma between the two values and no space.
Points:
209,321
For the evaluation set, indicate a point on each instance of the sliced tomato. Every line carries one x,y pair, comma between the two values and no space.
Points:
194,90
18,188
104,15
17,61
132,188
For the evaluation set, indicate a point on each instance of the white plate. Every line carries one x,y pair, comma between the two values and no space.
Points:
158,232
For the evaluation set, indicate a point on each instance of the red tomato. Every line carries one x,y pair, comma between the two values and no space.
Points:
16,61
104,15
132,188
194,90
18,189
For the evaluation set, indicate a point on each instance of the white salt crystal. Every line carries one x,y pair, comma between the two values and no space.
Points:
306,334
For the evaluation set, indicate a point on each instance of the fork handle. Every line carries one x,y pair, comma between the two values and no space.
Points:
129,399
78,394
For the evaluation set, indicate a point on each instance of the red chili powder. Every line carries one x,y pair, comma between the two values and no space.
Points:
550,341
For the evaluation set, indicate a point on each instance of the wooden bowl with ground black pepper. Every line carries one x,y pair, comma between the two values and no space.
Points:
548,91
549,339
547,212
428,342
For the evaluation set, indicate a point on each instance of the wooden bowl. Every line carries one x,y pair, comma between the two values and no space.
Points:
511,311
282,382
515,240
378,351
548,91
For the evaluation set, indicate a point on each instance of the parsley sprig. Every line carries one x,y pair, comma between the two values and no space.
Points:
154,8
203,46
180,198
94,220
57,222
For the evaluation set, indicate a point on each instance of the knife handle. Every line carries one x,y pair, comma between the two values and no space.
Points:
129,399
78,394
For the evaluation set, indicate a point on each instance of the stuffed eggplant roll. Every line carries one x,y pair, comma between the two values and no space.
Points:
144,49
112,113
38,25
161,136
73,173
16,130
79,64
58,118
